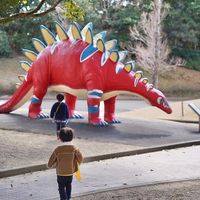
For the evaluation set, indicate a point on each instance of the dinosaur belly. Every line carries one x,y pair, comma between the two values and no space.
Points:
83,92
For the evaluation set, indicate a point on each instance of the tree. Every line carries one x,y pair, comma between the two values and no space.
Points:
112,16
20,9
182,26
151,47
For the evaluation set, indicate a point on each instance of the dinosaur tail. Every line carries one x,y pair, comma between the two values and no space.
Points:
20,97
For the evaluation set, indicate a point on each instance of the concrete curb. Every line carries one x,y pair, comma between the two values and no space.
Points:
182,121
29,169
129,186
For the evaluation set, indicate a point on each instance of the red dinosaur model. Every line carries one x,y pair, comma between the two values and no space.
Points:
76,62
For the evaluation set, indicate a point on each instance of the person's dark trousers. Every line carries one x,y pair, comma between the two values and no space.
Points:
65,187
60,125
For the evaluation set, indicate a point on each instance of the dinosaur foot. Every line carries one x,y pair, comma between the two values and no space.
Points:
76,115
98,123
41,115
113,121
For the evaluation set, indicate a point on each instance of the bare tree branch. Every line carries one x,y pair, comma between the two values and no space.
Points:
52,8
151,45
32,13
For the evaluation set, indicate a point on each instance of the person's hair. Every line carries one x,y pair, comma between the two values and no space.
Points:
66,134
60,97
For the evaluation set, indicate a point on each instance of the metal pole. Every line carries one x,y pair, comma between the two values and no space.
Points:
199,124
182,107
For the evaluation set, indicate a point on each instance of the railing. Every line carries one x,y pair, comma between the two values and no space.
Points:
196,109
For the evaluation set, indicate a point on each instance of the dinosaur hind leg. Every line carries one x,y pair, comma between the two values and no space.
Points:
109,113
71,103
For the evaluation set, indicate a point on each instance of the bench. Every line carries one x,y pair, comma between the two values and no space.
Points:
196,109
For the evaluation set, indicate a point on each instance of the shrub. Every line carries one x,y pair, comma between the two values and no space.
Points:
4,45
190,55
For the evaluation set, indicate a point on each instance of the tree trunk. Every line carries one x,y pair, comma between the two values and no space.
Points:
157,43
155,78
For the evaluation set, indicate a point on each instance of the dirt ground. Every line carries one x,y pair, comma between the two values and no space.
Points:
184,190
20,149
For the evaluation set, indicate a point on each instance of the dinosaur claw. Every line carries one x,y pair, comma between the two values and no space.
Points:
42,116
113,121
101,123
77,116
116,121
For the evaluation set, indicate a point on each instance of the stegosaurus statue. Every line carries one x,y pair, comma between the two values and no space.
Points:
77,63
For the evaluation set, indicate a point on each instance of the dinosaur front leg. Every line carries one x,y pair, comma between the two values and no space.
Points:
93,102
71,103
109,111
35,110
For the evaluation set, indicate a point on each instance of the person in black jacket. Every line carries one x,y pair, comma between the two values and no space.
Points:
59,113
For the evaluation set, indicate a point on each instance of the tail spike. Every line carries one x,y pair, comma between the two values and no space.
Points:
76,31
138,74
149,86
114,56
110,45
25,65
47,35
38,44
85,29
22,78
17,85
129,66
145,80
89,36
100,45
100,35
122,55
30,54
62,34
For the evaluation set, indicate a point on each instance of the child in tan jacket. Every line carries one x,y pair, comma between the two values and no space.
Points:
65,159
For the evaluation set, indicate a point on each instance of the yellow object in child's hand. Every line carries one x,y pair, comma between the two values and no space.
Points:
78,173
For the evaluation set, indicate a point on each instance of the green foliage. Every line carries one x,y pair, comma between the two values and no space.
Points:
92,9
120,19
191,56
194,64
182,25
9,7
73,12
22,31
4,44
113,18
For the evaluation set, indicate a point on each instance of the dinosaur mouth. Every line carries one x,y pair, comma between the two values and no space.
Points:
164,105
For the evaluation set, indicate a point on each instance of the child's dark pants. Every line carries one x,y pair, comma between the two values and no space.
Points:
65,187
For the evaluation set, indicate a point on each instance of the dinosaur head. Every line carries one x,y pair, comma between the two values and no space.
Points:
157,99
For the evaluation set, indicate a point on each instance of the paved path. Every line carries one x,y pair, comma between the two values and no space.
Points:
151,168
137,128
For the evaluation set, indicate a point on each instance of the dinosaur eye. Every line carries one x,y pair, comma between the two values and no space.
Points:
165,104
159,100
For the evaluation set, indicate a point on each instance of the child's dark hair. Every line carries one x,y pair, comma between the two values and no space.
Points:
60,97
66,134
